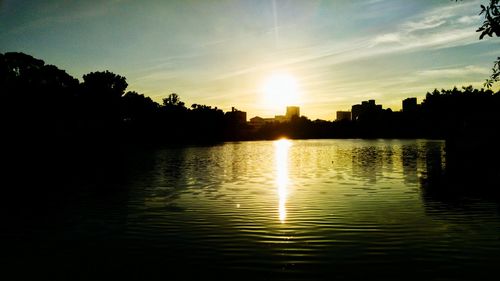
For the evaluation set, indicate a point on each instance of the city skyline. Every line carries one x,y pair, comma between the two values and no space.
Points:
221,53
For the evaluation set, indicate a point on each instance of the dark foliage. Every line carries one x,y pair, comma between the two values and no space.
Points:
490,28
491,24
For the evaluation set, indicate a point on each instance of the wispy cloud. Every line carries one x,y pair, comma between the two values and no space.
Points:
454,72
441,27
48,14
387,38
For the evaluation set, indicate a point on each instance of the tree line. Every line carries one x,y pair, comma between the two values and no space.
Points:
41,100
42,103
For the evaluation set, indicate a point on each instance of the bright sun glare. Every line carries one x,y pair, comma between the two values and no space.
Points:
280,90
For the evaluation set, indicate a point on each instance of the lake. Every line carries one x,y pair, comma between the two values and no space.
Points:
268,210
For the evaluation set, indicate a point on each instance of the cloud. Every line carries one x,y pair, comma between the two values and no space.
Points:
454,72
387,38
469,19
442,27
44,15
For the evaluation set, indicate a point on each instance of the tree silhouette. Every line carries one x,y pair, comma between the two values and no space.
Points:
36,97
173,100
491,27
106,84
139,117
100,101
137,107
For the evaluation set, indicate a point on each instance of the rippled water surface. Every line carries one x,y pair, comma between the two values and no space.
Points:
272,210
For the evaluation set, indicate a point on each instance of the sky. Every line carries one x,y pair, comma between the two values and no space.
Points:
220,53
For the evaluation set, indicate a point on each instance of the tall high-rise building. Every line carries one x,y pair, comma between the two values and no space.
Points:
365,110
292,111
410,105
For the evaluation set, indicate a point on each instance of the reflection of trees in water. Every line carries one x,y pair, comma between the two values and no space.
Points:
204,168
409,159
426,163
168,167
366,163
434,159
456,184
199,171
156,178
201,167
419,158
177,169
236,158
370,162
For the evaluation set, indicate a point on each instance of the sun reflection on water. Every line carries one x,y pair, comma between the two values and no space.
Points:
282,146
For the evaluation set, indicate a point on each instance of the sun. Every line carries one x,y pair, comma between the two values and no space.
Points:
280,90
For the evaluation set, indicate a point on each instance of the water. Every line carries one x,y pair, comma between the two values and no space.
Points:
282,210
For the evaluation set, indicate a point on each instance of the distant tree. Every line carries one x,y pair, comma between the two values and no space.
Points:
140,116
137,107
173,100
32,90
100,100
21,72
106,84
202,107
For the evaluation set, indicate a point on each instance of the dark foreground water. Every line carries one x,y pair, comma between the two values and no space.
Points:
282,210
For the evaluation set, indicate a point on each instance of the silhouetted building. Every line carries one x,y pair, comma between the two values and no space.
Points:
366,108
356,111
292,111
258,121
343,115
280,118
410,105
236,116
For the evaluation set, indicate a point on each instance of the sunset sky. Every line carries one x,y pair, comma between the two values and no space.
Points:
221,53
